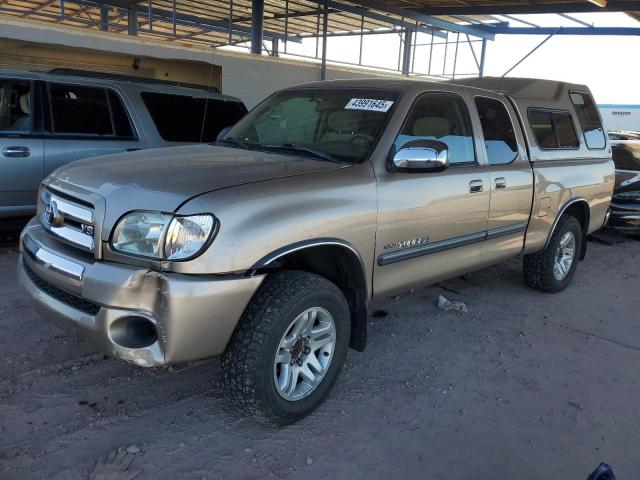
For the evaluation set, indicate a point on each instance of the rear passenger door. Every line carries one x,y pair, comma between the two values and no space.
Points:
511,177
85,121
21,147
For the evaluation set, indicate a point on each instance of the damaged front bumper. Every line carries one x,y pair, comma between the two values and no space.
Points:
145,317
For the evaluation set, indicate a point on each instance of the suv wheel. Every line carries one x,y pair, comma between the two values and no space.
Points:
552,269
288,348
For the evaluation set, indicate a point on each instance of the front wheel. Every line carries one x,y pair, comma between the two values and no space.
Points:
552,269
288,348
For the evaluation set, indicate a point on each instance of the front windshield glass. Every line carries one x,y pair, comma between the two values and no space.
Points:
327,124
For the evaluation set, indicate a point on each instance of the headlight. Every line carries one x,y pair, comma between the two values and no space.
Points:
161,235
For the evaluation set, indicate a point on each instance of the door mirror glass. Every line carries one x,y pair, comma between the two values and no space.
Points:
422,156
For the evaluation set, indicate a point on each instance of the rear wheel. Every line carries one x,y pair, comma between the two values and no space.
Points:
552,269
288,348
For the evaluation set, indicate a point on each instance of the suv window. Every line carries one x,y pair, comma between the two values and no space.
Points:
121,124
81,110
15,107
497,129
89,112
553,129
179,118
589,120
443,117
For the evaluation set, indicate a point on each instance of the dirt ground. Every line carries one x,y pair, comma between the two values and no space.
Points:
524,386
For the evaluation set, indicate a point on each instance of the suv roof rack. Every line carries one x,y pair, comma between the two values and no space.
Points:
128,78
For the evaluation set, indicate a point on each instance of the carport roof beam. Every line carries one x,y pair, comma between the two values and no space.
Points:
184,19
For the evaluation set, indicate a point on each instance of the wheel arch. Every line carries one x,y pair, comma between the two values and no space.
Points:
580,210
336,260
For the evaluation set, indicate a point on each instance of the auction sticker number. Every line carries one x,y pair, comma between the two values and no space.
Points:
370,104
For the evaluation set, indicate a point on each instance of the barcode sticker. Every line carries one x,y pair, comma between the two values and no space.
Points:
370,104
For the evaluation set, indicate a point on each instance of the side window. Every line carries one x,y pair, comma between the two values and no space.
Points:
589,120
497,129
220,114
443,117
121,122
15,107
79,110
553,129
179,118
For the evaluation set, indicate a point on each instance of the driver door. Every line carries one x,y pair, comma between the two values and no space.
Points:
431,225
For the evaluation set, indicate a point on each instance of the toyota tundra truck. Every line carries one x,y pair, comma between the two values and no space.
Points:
266,247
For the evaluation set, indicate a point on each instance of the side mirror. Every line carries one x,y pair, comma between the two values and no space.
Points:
223,133
421,156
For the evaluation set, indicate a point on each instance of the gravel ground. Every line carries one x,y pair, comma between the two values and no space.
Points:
525,385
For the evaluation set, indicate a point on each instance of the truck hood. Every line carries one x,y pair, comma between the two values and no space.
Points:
164,178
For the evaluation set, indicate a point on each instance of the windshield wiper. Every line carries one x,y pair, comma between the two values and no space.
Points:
233,141
302,148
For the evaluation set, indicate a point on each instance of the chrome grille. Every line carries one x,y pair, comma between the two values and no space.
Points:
70,221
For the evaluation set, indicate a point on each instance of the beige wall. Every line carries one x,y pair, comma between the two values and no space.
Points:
20,55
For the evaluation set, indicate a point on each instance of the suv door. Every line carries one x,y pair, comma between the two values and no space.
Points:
86,121
431,225
511,178
21,147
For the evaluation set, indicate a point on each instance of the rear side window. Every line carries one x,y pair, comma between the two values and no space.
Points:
589,120
80,110
121,123
553,129
497,129
180,118
443,117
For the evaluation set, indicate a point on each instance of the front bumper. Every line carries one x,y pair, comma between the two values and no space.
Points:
194,315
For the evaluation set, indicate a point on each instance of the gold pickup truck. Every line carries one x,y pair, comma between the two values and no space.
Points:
266,247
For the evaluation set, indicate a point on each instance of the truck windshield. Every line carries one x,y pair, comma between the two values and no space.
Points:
330,124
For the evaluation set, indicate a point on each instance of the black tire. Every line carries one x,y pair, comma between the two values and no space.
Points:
538,267
248,361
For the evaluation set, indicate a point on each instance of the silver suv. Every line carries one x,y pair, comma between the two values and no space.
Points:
49,119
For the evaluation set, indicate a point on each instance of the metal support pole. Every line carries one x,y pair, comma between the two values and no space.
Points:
317,32
361,39
415,47
528,54
173,17
230,19
455,55
275,47
325,27
406,52
104,18
430,52
286,24
483,54
61,8
132,21
257,26
150,17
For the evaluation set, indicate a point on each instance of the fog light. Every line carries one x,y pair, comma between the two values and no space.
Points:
133,332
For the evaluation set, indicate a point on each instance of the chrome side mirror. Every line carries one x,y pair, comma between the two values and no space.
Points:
421,156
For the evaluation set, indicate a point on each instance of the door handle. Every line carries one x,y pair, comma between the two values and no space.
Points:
475,186
501,182
14,151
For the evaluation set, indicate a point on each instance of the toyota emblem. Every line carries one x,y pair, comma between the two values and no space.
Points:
51,214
